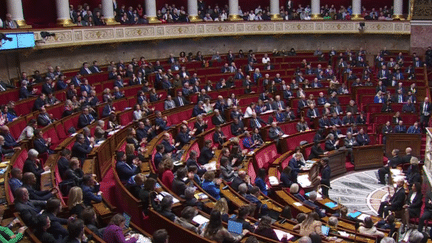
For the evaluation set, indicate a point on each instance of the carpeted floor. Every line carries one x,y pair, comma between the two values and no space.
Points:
359,191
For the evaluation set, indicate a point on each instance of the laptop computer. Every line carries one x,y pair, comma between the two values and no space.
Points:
234,227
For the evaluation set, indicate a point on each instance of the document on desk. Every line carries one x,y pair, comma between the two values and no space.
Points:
280,234
199,219
210,166
298,204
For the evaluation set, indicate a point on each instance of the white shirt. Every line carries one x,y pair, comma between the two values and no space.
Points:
265,60
248,112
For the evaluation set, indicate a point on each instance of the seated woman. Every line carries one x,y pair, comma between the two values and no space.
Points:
167,175
227,171
285,177
112,122
379,98
413,204
264,229
75,201
147,195
221,206
187,214
113,233
41,230
260,181
216,232
165,208
368,228
333,224
90,221
295,191
210,185
311,224
302,125
256,137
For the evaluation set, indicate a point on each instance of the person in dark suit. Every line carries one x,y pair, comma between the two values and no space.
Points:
330,143
218,118
169,148
252,197
183,137
198,109
39,102
48,86
192,161
180,181
413,204
80,149
396,202
295,164
33,165
275,132
425,113
316,151
95,68
85,69
427,212
90,189
311,203
200,125
324,122
237,127
286,179
161,122
256,122
312,112
393,163
56,229
85,118
180,100
206,153
348,119
28,209
9,141
75,230
40,144
44,119
362,138
400,128
325,177
108,109
218,136
157,159
126,166
29,182
63,162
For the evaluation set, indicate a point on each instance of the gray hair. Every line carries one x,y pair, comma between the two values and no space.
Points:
333,221
242,188
387,240
294,188
313,195
33,153
415,236
305,239
189,192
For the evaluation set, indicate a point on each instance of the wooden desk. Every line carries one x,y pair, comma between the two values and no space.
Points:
369,156
337,159
401,141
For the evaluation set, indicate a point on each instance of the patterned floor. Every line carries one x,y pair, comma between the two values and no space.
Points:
359,191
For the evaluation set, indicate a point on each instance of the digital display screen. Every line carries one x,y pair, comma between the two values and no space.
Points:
19,40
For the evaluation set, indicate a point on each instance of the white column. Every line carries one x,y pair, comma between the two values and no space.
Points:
193,10
315,9
398,9
356,8
234,10
108,12
14,7
63,17
151,11
274,10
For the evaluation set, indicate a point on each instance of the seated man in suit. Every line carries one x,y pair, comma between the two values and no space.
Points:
395,203
157,158
28,209
295,164
256,121
95,68
108,109
392,163
237,127
218,118
44,119
198,109
192,161
29,182
207,153
127,166
278,104
312,112
161,121
39,102
408,107
218,136
169,148
252,197
85,118
400,128
183,137
275,132
321,99
289,114
9,141
40,144
414,128
90,188
335,120
118,82
348,119
80,149
331,143
324,122
180,100
362,138
85,69
311,202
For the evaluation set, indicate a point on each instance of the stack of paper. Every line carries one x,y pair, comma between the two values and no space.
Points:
210,166
280,234
199,219
273,180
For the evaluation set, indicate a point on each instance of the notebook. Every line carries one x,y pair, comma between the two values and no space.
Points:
199,219
325,230
128,219
354,214
280,234
235,227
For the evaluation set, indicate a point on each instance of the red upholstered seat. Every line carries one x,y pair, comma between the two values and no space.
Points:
52,133
61,133
19,162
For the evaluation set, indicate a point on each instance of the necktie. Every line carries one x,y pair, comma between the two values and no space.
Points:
1,88
425,108
220,118
181,101
314,113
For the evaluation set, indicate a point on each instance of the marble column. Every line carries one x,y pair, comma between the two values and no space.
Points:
356,10
398,9
151,11
275,10
193,11
316,9
234,10
63,16
108,12
15,8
